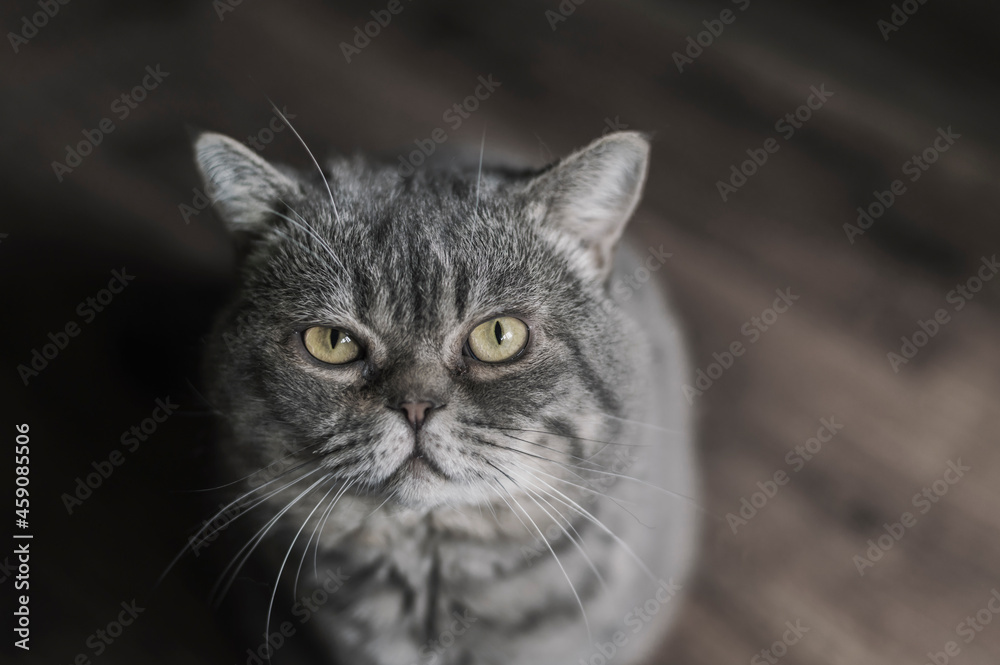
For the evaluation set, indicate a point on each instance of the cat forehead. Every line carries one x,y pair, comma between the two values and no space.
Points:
438,226
400,268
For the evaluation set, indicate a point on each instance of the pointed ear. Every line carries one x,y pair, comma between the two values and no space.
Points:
591,194
241,184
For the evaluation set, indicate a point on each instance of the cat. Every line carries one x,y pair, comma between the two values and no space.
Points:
469,429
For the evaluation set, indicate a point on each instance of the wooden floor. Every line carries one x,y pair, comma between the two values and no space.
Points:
797,558
825,360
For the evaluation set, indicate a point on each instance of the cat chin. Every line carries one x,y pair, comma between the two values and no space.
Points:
418,485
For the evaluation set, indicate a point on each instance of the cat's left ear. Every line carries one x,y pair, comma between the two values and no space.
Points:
242,185
591,194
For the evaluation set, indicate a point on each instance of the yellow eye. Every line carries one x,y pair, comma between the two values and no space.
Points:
330,345
498,339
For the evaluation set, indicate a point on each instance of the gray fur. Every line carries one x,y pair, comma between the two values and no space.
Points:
409,266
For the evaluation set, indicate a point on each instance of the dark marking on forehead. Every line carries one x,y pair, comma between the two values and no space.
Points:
395,261
419,260
381,229
361,290
461,284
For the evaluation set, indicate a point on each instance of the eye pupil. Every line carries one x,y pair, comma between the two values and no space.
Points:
497,340
330,345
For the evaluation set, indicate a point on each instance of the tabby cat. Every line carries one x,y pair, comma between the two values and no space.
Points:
434,394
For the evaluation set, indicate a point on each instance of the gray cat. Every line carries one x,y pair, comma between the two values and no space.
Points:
484,442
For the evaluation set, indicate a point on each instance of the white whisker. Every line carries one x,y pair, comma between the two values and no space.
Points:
578,545
311,156
281,568
208,524
322,525
572,587
676,495
216,595
641,424
479,178
617,502
305,549
583,511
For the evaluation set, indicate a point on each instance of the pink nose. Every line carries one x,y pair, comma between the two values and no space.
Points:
416,412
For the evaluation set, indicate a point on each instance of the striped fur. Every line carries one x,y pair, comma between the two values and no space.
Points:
504,544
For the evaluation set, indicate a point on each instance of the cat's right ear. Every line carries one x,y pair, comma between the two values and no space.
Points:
591,194
243,187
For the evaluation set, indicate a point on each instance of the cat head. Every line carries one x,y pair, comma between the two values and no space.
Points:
428,339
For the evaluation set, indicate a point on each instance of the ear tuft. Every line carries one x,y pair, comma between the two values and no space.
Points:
592,193
241,184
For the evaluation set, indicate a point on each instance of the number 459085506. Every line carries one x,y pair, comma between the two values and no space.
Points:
21,470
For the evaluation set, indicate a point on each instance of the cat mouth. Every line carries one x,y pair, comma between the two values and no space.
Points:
421,467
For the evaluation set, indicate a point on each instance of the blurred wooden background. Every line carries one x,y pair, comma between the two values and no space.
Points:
606,64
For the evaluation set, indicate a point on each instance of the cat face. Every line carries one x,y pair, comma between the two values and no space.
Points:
439,339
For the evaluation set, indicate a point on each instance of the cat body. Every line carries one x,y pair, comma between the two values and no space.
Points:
529,506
